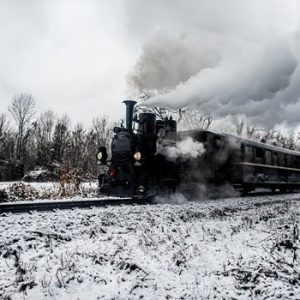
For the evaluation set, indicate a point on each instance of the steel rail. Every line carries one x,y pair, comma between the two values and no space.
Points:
15,207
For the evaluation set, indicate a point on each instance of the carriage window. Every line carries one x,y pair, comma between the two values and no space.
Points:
281,159
275,159
259,153
249,153
242,148
268,157
242,151
289,160
297,162
293,161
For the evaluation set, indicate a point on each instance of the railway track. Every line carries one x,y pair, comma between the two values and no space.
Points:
15,207
68,204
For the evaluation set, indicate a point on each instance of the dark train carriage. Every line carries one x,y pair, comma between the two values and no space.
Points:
215,166
244,164
266,166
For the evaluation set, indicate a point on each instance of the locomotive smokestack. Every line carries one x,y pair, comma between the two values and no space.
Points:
129,113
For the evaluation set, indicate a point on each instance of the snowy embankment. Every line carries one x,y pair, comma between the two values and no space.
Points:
221,249
36,191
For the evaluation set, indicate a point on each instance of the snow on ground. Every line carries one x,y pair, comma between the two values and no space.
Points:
20,191
220,249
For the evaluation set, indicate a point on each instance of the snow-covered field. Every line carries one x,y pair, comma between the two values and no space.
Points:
217,249
20,191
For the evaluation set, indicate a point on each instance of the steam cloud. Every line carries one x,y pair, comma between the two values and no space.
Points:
229,58
187,148
176,198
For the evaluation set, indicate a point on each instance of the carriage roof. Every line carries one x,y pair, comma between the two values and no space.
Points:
246,142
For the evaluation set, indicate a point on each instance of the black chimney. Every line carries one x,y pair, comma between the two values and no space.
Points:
129,113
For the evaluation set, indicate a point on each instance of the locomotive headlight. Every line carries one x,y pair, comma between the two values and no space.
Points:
99,155
137,155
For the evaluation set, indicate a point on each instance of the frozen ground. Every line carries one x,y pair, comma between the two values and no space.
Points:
35,191
218,249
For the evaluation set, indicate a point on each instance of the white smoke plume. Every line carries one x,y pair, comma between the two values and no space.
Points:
228,57
176,198
185,149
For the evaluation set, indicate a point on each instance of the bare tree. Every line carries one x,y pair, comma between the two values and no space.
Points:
239,127
41,142
61,138
160,111
22,109
103,130
77,152
6,139
4,124
250,131
192,118
47,121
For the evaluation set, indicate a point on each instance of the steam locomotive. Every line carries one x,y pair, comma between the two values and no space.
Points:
140,168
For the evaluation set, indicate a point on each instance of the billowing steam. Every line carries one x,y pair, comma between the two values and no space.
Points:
176,198
185,149
236,81
229,58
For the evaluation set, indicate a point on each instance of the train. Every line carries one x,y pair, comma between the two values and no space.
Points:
140,168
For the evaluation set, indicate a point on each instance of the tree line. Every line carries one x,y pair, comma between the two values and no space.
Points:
29,140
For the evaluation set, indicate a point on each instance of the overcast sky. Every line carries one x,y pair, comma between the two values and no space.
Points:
230,57
72,56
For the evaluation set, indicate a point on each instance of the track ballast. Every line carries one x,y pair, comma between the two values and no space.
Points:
23,207
14,207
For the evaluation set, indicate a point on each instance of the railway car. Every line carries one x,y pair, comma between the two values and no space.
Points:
139,169
244,164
